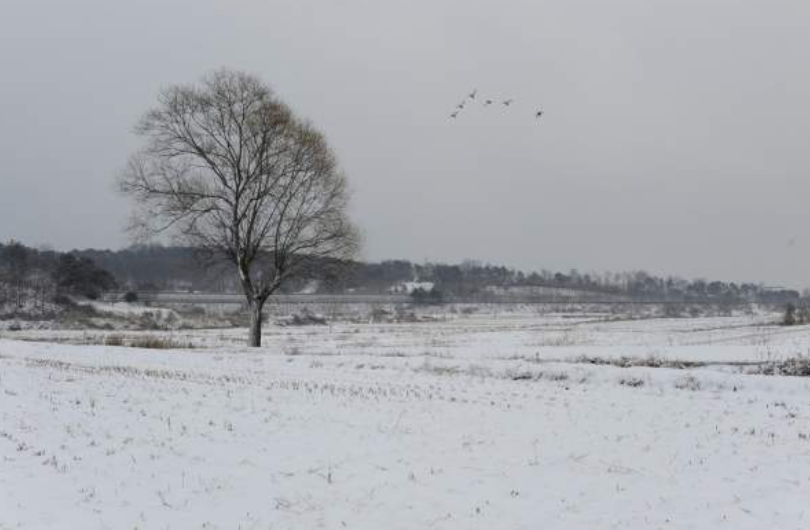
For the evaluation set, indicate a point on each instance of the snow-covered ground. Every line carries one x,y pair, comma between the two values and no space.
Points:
496,334
474,421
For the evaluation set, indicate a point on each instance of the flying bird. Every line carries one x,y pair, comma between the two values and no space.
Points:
487,102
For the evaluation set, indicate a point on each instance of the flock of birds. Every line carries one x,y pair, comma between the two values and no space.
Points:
469,99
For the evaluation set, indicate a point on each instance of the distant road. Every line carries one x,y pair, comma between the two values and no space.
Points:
238,299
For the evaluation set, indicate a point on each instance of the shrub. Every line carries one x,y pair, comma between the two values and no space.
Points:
81,276
192,311
114,340
790,316
146,341
131,297
157,343
689,382
633,382
794,366
795,315
63,300
423,297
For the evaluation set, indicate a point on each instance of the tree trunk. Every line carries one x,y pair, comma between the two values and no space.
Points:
255,334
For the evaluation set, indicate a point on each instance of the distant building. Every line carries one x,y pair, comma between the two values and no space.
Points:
409,287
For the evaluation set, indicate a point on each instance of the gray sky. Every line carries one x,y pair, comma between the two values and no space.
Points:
676,137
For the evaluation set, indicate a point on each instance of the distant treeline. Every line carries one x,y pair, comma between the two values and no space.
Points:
40,274
33,278
164,268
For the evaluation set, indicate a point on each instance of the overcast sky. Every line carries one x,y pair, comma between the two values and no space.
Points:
676,134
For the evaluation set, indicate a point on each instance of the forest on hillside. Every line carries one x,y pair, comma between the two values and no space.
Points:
44,273
166,268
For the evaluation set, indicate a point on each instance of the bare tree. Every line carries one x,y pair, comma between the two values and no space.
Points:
228,168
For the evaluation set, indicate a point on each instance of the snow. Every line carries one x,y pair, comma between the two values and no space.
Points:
498,334
423,425
410,287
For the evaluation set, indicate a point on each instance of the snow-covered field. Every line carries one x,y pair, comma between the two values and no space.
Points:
471,421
